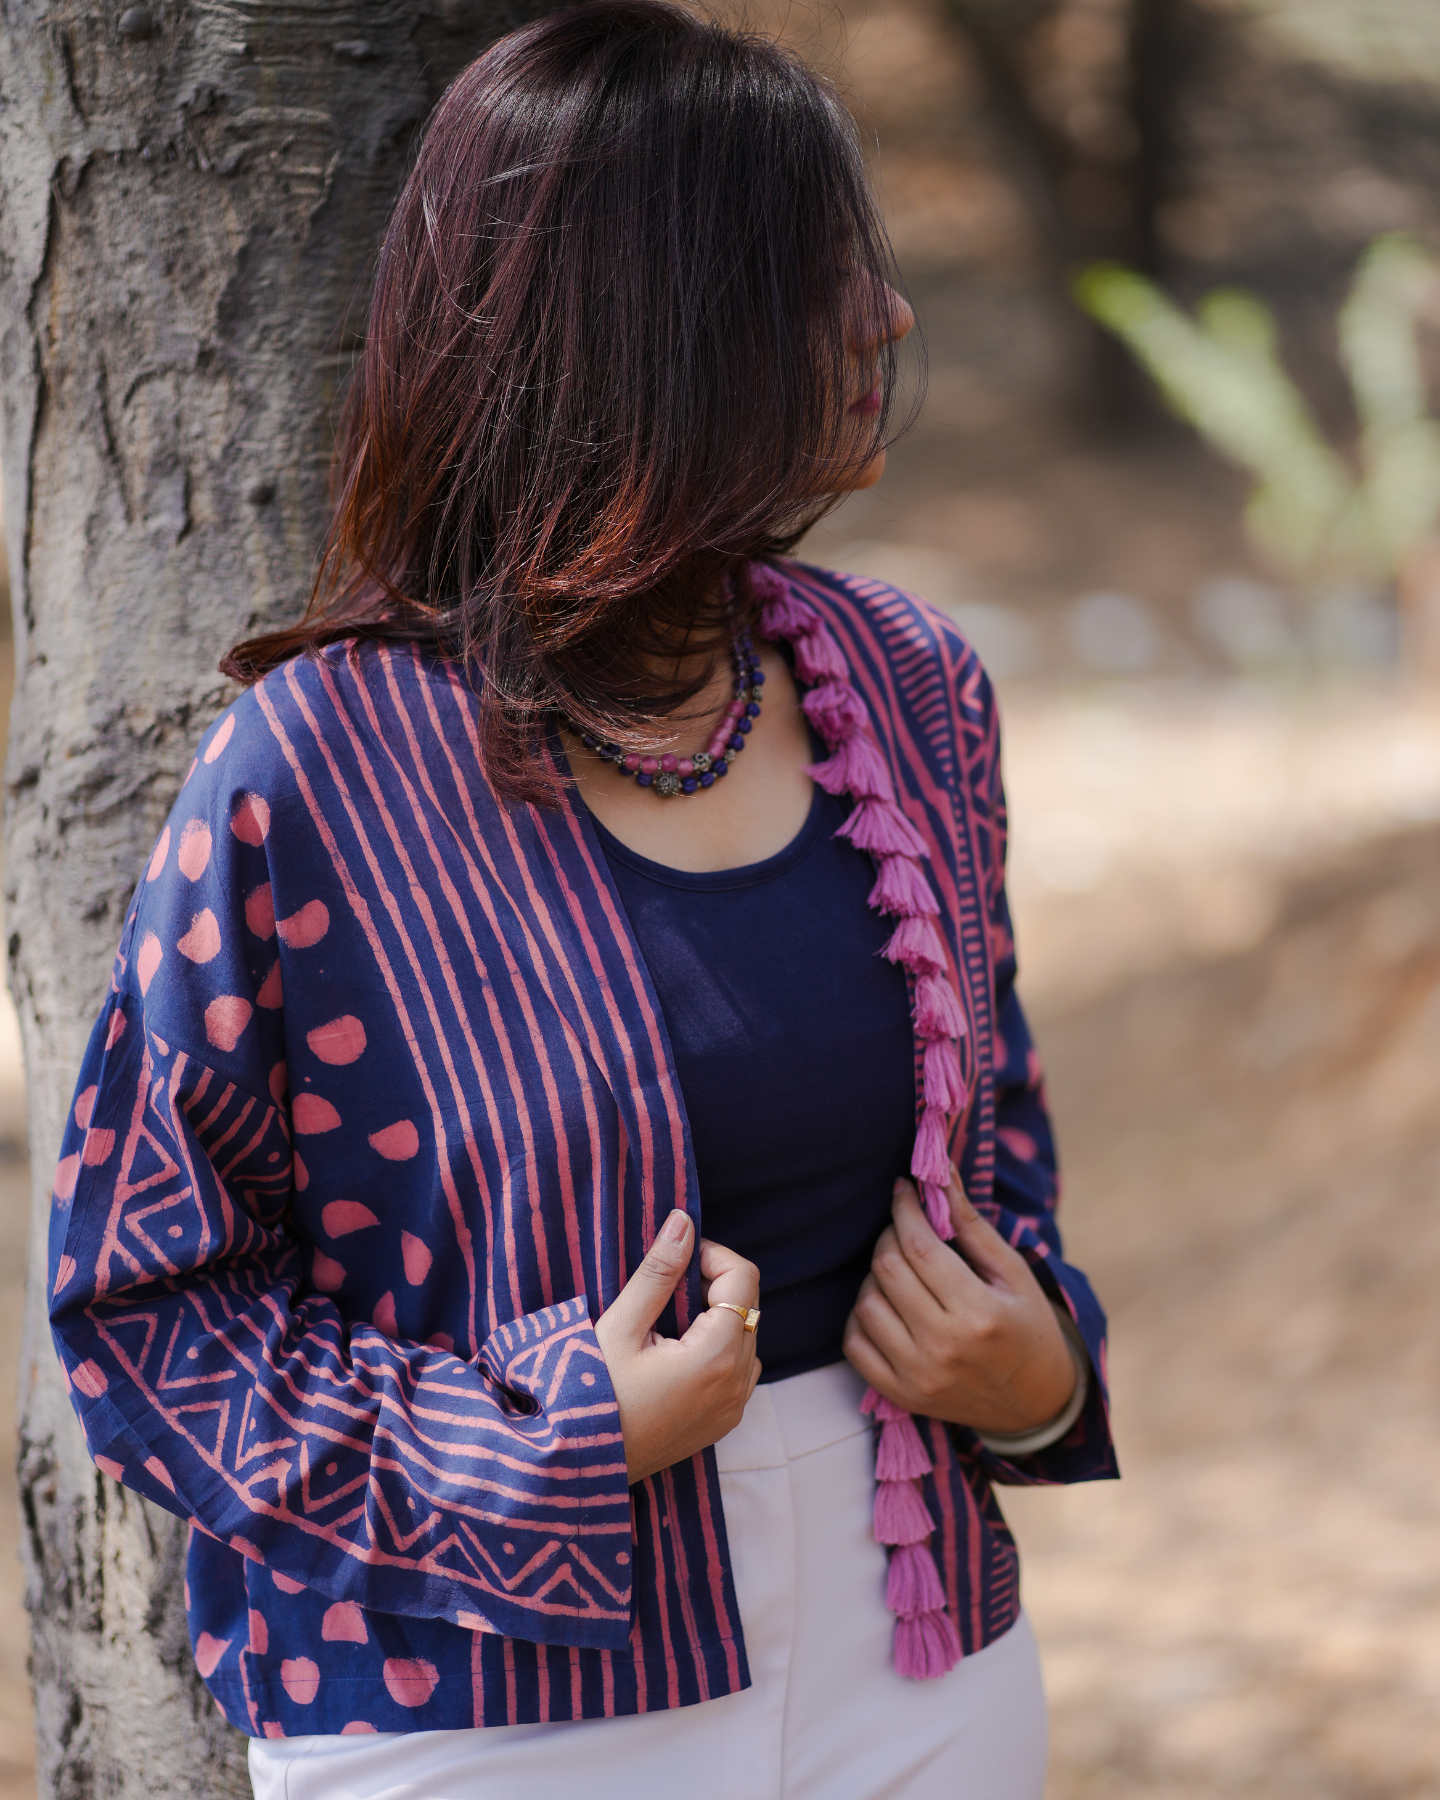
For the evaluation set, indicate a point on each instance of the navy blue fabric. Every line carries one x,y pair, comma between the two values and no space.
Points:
795,1055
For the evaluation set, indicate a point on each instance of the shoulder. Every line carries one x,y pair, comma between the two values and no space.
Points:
929,659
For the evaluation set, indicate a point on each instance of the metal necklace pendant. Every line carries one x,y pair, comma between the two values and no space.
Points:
668,775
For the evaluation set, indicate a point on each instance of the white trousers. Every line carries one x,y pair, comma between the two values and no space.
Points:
827,1717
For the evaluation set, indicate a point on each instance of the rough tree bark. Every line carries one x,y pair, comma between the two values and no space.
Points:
190,192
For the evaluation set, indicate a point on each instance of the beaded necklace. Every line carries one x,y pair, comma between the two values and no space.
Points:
670,774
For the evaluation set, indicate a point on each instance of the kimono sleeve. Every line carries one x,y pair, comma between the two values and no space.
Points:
211,1370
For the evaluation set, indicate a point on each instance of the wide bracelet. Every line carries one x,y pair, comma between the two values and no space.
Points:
1041,1437
749,1316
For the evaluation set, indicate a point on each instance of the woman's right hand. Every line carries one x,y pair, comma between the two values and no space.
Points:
678,1395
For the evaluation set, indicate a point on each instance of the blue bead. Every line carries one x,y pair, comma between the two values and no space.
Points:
688,784
737,742
643,780
752,711
708,778
722,768
605,753
758,678
745,724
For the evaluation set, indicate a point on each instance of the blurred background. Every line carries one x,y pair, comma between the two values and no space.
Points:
1215,630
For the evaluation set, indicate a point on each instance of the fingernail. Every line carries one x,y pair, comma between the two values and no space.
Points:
897,1190
676,1227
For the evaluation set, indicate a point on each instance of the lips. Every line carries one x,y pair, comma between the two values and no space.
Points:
869,403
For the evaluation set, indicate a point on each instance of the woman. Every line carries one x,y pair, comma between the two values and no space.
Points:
475,954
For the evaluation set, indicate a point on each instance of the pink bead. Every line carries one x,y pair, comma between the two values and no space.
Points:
667,762
685,766
648,765
632,763
717,747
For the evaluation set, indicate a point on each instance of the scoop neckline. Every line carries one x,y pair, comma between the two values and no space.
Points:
714,881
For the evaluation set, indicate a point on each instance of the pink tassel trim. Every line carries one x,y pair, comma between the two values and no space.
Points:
855,767
818,658
936,1200
902,890
937,1011
926,1646
835,710
901,1454
915,944
912,1583
884,1410
901,1515
930,1160
926,1641
880,827
944,1084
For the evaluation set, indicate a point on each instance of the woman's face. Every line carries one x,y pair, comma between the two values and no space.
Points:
877,321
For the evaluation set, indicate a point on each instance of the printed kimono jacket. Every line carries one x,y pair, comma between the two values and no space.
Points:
378,1117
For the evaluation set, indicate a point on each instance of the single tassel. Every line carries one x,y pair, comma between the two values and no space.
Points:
944,1084
901,1515
902,891
818,658
856,767
937,1011
915,944
930,1159
901,1454
883,1409
835,710
912,1582
879,827
926,1646
936,1200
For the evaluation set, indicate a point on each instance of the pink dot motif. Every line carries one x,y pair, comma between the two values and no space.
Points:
259,1633
300,1679
271,995
326,1273
201,943
67,1173
85,1105
341,1041
194,854
306,927
208,1651
260,911
146,963
250,820
158,855
411,1681
64,1272
117,1018
285,1584
98,1145
358,1728
310,1115
384,1316
344,1623
397,1142
416,1256
221,738
225,1020
341,1217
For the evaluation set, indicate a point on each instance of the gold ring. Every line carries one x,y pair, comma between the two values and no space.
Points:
749,1316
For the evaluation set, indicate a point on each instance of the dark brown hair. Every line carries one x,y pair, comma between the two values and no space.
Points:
605,364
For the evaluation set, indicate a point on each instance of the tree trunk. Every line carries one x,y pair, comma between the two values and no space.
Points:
189,198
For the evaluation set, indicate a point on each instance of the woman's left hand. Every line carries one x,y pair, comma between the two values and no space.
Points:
967,1337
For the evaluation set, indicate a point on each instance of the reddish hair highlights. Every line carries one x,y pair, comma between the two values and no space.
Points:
606,364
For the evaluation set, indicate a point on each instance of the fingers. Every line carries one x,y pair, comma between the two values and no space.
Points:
977,1240
727,1276
883,1324
869,1363
902,1278
642,1299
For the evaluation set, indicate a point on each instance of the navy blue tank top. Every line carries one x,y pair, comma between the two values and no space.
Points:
793,1046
